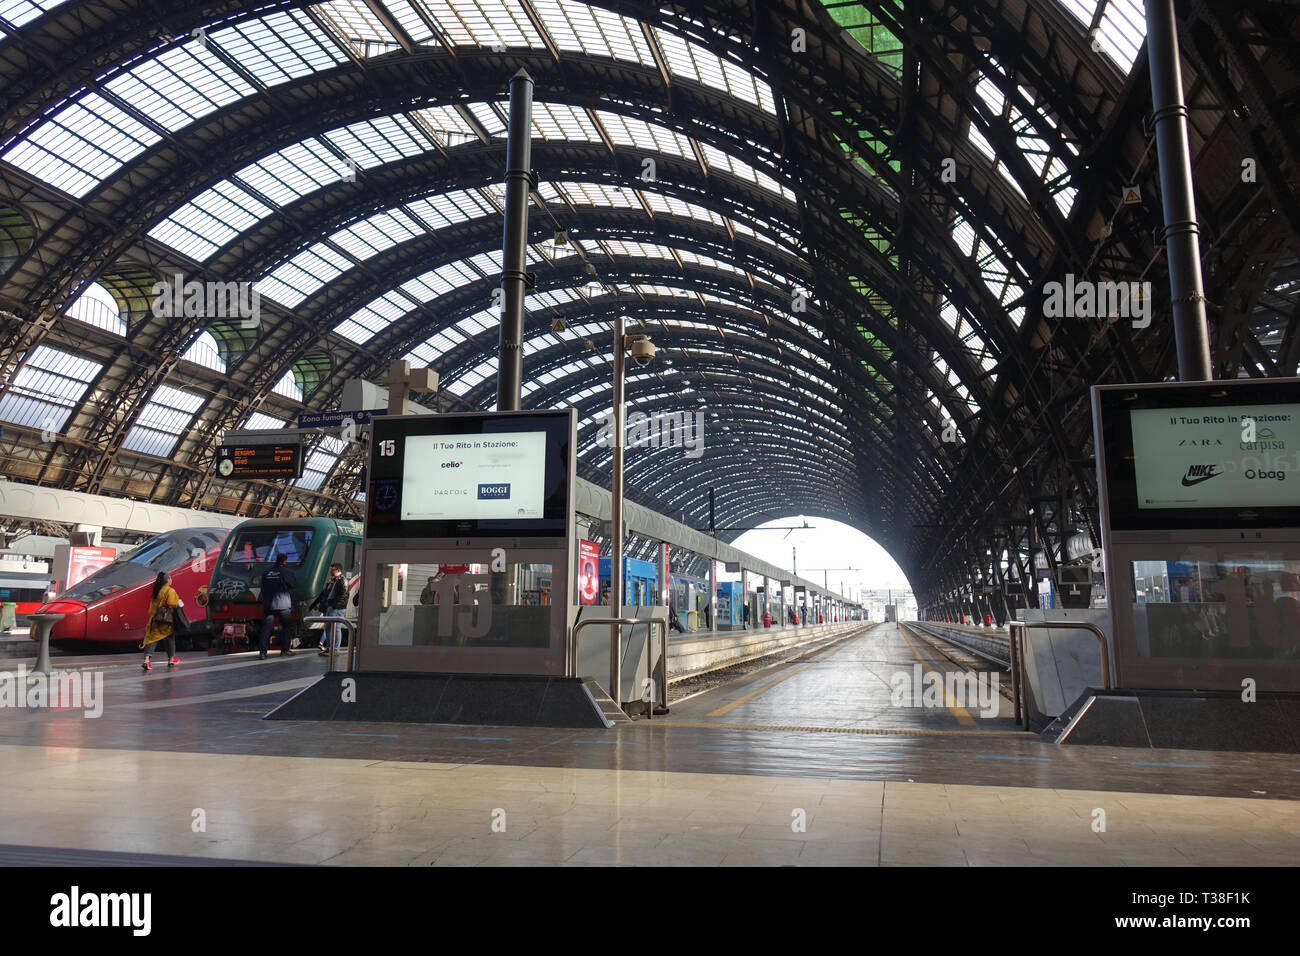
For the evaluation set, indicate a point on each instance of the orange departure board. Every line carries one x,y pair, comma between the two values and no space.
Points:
280,460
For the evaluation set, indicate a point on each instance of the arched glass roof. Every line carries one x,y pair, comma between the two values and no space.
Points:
839,248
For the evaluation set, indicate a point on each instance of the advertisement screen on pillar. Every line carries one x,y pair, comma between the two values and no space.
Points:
588,572
1204,455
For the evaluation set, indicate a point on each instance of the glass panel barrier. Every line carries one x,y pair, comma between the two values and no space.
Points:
474,607
1235,605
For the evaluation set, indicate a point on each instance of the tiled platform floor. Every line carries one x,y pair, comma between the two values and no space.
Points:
801,764
356,811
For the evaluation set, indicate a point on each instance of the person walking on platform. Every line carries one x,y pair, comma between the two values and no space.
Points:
744,615
164,602
278,586
332,601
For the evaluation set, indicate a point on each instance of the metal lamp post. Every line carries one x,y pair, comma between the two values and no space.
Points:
622,342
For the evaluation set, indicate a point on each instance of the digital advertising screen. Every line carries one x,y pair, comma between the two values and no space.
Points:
481,477
1208,455
1200,458
464,475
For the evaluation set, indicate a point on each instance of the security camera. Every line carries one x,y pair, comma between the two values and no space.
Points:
643,351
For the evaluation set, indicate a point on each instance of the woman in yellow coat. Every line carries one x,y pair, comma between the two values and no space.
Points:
163,604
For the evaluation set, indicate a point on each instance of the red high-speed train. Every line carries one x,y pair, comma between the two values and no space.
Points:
109,609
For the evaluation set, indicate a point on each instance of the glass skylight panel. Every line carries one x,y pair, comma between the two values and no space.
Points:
161,422
628,131
484,23
204,352
180,85
279,47
579,28
210,220
477,323
472,378
81,145
717,159
381,231
374,142
409,20
44,391
315,470
96,306
559,121
1123,31
20,12
302,275
260,420
692,62
599,194
288,387
489,117
447,121
292,172
356,21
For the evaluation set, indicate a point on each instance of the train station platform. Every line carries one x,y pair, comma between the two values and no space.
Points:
822,760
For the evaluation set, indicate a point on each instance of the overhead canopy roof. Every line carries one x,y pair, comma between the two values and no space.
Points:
835,220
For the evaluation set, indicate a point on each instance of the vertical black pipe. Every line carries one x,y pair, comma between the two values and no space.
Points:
519,148
1182,234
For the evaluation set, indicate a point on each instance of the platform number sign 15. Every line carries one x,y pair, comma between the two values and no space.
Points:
387,448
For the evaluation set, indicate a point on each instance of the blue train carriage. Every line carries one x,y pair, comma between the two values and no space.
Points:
640,582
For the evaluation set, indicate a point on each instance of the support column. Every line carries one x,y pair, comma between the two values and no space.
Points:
1182,234
514,240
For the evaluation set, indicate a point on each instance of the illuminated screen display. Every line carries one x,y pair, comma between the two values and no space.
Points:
1201,458
498,476
490,474
1208,455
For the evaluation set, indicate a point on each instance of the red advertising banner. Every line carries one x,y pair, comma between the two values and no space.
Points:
85,561
588,572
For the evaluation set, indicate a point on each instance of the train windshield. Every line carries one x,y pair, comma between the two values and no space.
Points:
120,574
264,545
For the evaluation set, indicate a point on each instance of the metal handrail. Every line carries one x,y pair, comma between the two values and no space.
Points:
615,625
1018,657
352,636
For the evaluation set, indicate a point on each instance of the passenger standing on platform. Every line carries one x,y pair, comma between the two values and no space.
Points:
332,601
163,604
803,613
430,594
278,586
744,615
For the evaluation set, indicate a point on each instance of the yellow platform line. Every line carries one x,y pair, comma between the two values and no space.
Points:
963,716
890,731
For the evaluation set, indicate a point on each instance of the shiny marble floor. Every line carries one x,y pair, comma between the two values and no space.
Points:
809,763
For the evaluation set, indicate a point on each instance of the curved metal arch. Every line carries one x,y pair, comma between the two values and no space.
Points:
399,339
178,167
884,269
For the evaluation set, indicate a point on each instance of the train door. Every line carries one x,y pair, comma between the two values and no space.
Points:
347,552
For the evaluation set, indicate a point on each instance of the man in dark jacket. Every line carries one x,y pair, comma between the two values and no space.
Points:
278,586
332,602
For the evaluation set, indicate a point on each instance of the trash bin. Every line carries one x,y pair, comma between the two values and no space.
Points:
8,616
